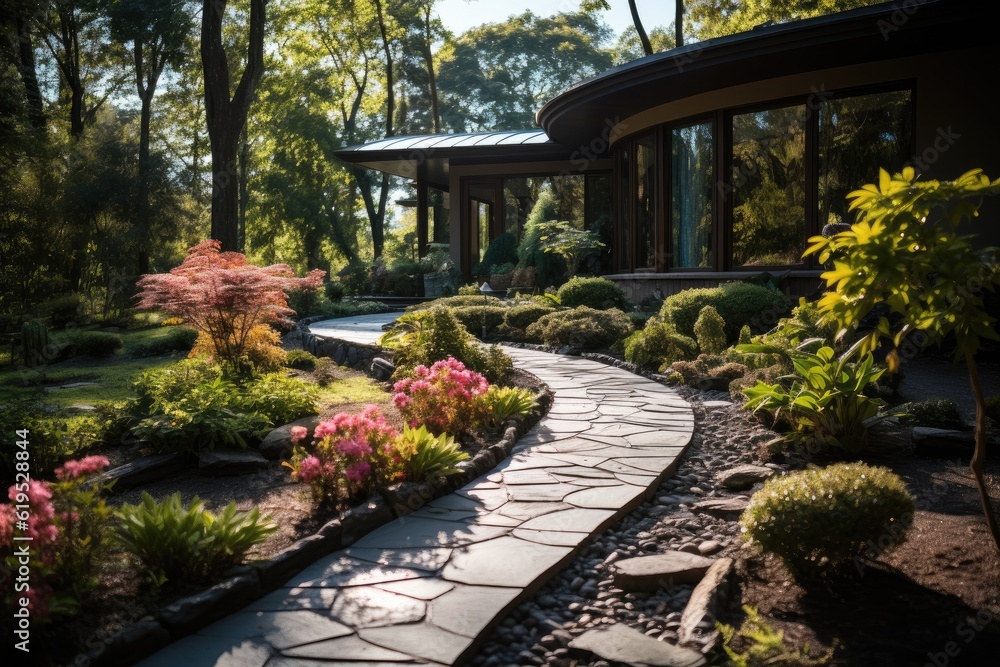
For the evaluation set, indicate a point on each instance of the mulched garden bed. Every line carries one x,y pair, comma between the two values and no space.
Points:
122,597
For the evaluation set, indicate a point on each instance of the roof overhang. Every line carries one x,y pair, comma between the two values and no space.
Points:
887,31
430,156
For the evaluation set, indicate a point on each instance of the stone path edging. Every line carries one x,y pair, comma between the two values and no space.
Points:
424,589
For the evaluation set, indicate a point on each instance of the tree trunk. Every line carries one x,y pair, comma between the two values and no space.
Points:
431,78
390,101
226,117
647,48
979,455
244,189
29,73
679,24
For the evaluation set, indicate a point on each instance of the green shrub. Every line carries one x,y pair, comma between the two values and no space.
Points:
502,403
24,411
279,399
179,339
764,645
305,301
188,544
708,371
745,335
934,412
518,318
993,407
95,344
710,331
825,407
428,456
472,318
325,372
459,301
62,310
426,336
301,360
351,308
599,293
582,327
828,516
739,304
334,290
658,345
767,375
502,250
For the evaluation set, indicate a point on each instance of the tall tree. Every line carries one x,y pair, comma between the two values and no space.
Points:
157,31
679,22
714,18
591,6
16,19
226,111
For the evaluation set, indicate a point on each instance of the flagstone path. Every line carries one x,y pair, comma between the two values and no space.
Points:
424,588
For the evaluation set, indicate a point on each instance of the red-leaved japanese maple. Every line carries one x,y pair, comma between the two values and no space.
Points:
224,297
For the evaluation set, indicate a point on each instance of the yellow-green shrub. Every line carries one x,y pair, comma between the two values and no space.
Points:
582,327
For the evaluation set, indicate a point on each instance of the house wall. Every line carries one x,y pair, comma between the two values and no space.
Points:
955,131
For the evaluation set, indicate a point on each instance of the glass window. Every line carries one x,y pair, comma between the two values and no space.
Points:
857,136
624,215
439,215
645,206
597,218
481,201
691,177
768,186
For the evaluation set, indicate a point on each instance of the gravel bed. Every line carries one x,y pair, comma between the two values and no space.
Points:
582,596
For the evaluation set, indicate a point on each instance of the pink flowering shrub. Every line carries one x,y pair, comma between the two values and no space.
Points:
442,397
352,453
64,521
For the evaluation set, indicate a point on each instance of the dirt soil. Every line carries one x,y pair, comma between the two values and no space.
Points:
934,600
122,596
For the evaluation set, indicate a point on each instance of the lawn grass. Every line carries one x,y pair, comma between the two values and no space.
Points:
356,389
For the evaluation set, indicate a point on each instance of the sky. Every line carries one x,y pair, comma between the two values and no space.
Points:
460,15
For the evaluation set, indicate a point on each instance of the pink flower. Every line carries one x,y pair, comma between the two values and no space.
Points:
6,524
299,433
309,469
83,468
357,472
353,447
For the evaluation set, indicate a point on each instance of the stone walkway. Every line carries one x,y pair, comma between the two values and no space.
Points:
423,589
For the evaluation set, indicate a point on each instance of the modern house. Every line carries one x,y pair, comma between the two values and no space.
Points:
719,159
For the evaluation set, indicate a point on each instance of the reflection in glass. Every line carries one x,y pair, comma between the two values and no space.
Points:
769,223
691,175
645,206
624,218
857,136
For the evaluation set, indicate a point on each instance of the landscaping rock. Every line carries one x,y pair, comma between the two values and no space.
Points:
943,443
138,472
382,369
407,497
362,519
744,477
648,573
293,559
230,462
707,599
278,443
620,643
197,611
722,508
128,645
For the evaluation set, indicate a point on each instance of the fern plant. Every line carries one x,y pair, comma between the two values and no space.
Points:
175,542
766,645
429,456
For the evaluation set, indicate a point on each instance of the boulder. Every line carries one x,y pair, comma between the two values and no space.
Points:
278,443
744,477
622,644
221,462
722,508
943,443
147,469
649,573
382,369
407,497
708,598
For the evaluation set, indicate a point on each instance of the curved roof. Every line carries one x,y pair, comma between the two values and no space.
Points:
432,153
881,32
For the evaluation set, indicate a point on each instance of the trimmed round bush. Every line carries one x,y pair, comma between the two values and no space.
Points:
934,412
599,293
457,301
739,304
334,290
96,344
658,345
300,359
829,516
582,327
501,250
472,317
179,339
517,320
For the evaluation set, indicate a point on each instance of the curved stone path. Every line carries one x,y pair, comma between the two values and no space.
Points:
422,589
